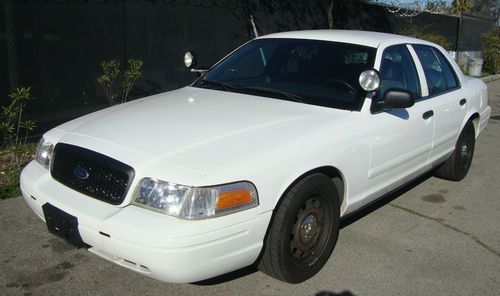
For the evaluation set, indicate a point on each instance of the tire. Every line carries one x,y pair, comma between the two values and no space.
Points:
292,253
455,168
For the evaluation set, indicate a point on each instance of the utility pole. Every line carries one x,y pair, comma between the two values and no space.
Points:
10,31
330,15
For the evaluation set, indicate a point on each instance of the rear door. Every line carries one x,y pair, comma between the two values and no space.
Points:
448,103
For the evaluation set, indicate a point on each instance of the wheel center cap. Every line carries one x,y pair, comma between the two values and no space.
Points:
309,229
463,151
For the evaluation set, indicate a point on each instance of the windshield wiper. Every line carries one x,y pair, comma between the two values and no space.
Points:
246,89
223,85
283,94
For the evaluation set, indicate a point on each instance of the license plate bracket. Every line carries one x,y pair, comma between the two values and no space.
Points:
63,225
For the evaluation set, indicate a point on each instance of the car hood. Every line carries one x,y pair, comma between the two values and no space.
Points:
196,128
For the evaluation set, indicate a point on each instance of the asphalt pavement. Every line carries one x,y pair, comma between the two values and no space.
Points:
434,237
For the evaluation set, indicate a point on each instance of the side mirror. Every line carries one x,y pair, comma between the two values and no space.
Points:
395,98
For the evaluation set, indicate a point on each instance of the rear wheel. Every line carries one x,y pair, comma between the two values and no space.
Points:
303,232
456,167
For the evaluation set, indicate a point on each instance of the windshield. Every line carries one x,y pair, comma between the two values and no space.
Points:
308,71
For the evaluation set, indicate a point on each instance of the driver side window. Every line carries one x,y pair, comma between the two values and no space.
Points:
398,71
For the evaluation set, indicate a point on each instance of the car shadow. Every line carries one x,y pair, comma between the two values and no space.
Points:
370,208
399,112
228,276
329,293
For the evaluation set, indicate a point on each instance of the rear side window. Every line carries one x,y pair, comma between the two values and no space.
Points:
439,74
449,73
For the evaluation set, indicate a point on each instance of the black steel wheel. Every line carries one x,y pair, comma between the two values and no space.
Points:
455,168
303,231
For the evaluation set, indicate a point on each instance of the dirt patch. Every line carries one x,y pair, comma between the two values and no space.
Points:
42,277
12,285
434,198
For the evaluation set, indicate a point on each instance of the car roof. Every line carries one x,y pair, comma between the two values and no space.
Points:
366,38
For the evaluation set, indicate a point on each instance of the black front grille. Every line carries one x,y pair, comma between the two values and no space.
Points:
91,173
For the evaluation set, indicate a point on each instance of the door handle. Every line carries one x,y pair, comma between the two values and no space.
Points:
463,101
428,114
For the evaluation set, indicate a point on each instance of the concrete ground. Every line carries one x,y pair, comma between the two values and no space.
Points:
433,238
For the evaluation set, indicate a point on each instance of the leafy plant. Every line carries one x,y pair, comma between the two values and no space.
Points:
28,126
130,77
11,115
437,6
491,50
107,80
15,150
113,82
461,6
434,37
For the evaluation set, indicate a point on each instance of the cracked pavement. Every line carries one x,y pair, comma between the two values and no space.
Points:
433,237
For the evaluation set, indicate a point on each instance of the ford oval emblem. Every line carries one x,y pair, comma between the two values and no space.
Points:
81,173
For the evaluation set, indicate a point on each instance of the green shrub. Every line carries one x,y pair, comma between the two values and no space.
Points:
414,31
113,83
491,49
14,129
15,151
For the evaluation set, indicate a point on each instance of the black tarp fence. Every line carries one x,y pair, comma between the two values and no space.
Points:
470,30
55,46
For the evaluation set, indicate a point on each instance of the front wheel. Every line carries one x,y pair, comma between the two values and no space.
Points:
303,231
455,168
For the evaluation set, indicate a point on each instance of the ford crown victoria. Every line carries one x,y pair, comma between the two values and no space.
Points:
258,160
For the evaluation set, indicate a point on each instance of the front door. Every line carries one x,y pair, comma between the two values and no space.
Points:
401,139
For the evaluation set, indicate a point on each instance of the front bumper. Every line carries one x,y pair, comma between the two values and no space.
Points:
153,244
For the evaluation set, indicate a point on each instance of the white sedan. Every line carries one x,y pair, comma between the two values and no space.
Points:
258,160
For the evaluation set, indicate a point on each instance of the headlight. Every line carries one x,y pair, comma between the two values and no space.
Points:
44,153
195,202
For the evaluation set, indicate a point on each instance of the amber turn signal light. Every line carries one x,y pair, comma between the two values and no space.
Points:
233,198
